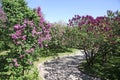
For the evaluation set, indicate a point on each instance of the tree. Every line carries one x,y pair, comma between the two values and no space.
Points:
17,11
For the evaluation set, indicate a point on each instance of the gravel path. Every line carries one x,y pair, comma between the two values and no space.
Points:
64,68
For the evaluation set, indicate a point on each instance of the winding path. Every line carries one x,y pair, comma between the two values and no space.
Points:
64,68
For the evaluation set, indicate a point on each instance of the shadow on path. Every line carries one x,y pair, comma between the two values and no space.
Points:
65,68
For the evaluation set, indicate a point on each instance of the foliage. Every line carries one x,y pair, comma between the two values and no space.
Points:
93,32
3,20
106,62
72,37
56,43
26,38
112,47
109,71
64,37
57,37
17,11
30,31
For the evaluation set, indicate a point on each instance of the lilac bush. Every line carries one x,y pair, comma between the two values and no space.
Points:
93,32
27,37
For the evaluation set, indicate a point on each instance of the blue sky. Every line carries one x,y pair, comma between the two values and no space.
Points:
63,10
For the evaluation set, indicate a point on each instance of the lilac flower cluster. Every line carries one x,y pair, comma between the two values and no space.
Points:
30,51
44,34
15,62
97,25
18,36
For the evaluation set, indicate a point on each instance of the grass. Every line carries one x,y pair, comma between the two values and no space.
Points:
107,71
